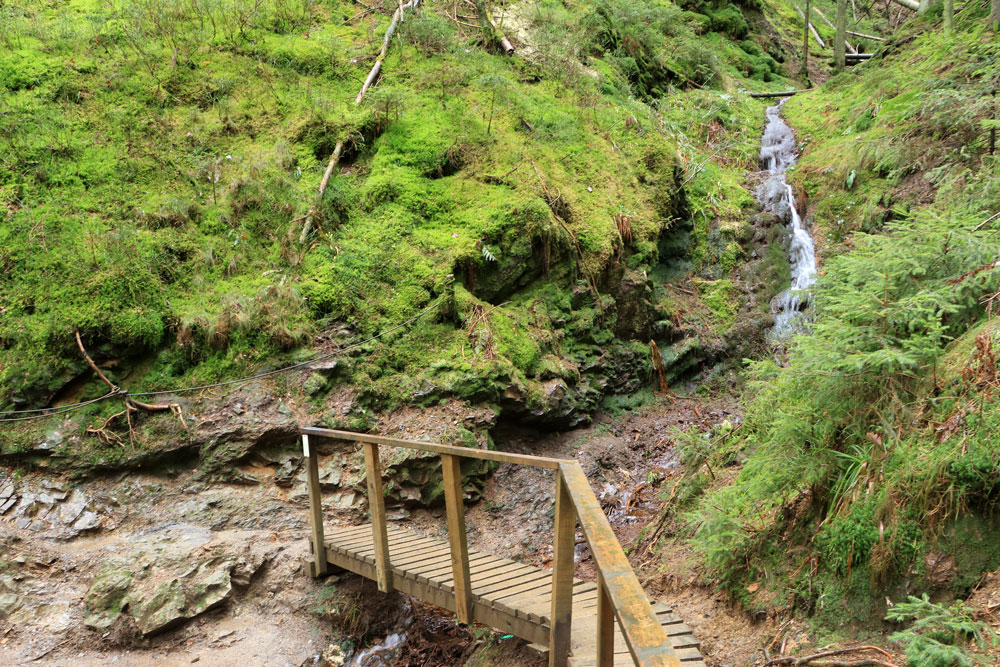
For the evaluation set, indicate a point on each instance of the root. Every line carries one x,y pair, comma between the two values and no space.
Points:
103,432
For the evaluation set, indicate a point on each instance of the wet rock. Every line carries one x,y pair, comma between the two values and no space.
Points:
164,610
314,384
327,368
50,442
254,420
161,594
10,601
57,490
940,568
284,473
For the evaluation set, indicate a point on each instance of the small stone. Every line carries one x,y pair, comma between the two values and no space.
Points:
88,521
74,506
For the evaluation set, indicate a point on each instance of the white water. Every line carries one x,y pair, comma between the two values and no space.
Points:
376,655
778,152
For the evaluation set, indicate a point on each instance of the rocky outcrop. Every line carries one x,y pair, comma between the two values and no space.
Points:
52,508
161,590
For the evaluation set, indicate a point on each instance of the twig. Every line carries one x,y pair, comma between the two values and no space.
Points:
986,221
781,629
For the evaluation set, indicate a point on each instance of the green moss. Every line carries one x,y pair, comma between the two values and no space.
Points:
722,300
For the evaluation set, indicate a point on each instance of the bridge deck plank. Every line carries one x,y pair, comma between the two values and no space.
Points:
511,596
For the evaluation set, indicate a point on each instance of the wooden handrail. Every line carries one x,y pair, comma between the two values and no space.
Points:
465,452
620,596
646,640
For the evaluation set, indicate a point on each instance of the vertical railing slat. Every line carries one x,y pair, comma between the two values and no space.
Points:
561,617
376,507
319,563
455,508
605,625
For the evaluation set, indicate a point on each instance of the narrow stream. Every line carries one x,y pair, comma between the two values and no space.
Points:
778,152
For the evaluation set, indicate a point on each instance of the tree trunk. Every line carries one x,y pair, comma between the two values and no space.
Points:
811,28
850,49
949,16
805,41
839,41
995,16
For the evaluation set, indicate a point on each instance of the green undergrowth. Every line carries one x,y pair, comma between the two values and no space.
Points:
871,448
159,160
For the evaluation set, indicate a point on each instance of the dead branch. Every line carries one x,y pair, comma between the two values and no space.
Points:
812,659
93,366
397,18
660,369
102,432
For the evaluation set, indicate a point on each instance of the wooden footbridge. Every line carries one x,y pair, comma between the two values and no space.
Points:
576,623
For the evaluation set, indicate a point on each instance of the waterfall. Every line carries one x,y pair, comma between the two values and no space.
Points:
778,152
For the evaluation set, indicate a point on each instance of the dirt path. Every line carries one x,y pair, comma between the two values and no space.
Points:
216,570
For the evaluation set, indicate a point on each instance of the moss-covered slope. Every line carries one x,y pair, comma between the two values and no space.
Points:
158,159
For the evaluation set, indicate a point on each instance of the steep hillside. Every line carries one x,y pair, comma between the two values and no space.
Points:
884,416
555,210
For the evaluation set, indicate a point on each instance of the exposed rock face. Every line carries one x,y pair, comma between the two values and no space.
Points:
253,417
53,508
410,477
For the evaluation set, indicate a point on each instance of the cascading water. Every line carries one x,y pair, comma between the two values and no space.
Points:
778,152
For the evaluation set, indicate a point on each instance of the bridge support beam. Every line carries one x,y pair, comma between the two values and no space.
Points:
318,566
605,625
455,508
564,547
376,507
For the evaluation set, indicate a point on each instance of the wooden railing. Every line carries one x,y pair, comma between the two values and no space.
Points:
620,596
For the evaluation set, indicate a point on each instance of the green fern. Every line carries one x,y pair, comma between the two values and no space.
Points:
938,635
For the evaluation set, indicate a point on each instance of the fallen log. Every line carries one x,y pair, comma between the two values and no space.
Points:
397,17
859,56
490,30
850,49
909,4
812,28
783,93
864,36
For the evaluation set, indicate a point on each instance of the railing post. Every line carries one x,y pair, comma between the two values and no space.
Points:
562,575
605,625
318,566
455,508
376,507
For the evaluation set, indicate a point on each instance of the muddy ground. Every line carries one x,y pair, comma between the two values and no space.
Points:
167,570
